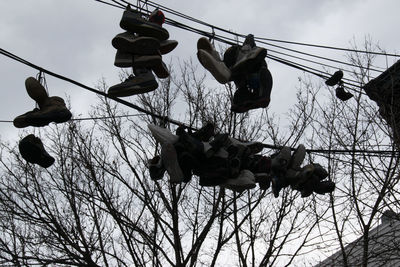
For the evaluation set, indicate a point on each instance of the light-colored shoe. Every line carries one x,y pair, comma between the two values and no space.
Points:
162,135
169,159
245,180
214,65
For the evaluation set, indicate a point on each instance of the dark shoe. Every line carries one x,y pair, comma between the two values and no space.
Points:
133,22
160,70
36,91
53,110
277,185
134,85
32,150
157,16
187,163
138,45
213,177
320,172
205,133
123,59
156,168
249,60
303,177
324,187
230,55
342,94
167,46
335,78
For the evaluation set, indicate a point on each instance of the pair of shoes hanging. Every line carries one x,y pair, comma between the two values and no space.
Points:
51,109
336,79
141,47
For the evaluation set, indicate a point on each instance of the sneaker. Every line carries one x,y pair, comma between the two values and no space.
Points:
162,135
245,180
156,168
32,150
241,101
170,161
215,66
157,16
335,78
133,85
253,147
36,91
295,163
213,177
123,59
320,171
205,133
160,70
342,94
192,145
187,162
133,22
249,60
167,46
52,110
324,187
146,61
230,55
138,45
303,177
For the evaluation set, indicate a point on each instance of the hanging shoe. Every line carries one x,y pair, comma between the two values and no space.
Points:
320,171
294,167
134,85
157,16
205,133
230,55
146,61
213,177
167,46
261,96
187,162
335,78
249,60
32,150
245,180
133,22
215,66
138,45
53,110
324,187
123,59
162,135
36,91
170,161
303,177
160,70
156,168
241,101
342,94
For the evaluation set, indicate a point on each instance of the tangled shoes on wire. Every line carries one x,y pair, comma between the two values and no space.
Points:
51,109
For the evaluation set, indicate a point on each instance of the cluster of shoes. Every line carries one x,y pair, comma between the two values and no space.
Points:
286,171
51,109
244,65
219,160
141,47
336,79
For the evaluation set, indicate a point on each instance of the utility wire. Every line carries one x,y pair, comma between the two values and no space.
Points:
14,57
92,118
126,103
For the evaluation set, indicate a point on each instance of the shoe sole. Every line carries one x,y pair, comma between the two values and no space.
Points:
137,46
245,65
146,61
132,23
214,66
170,161
168,46
141,88
43,119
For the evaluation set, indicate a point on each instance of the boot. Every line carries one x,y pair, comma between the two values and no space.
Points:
36,91
32,150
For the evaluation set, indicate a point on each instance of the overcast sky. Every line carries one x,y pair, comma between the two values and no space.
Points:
73,38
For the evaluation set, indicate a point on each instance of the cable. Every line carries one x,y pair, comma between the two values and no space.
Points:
91,118
164,118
